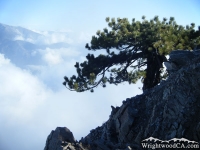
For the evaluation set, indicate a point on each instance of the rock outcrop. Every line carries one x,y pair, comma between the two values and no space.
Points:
169,110
57,139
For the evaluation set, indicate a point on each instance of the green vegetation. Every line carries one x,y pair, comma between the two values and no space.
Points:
133,51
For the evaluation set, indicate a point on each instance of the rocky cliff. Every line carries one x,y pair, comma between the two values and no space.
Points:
169,110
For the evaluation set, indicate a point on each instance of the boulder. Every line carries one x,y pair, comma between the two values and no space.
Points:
57,139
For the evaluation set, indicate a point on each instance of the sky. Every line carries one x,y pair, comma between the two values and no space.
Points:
34,102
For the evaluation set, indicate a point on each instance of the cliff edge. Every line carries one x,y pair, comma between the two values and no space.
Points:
169,110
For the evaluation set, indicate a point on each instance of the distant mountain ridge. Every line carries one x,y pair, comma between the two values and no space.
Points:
11,32
18,44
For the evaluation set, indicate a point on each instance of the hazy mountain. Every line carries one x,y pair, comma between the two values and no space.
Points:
11,32
19,44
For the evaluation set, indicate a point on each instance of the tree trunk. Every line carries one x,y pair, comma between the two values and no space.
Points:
153,71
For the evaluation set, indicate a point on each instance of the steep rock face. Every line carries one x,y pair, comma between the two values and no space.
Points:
169,110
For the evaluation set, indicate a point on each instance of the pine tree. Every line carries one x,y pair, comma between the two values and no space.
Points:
132,51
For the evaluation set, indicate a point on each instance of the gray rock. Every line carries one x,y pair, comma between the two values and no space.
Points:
169,110
58,137
181,58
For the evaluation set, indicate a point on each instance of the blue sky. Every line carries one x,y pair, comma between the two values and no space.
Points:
30,111
90,15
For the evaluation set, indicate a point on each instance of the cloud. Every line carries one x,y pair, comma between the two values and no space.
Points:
57,56
22,95
46,37
3,61
22,38
34,101
30,109
55,64
50,37
84,37
20,92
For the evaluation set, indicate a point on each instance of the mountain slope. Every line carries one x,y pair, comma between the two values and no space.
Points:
11,32
19,45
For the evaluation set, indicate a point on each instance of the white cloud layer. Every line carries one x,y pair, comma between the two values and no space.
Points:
22,38
30,109
20,92
46,37
33,100
57,56
54,37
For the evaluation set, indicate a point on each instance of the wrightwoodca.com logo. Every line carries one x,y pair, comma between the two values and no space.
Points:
175,143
